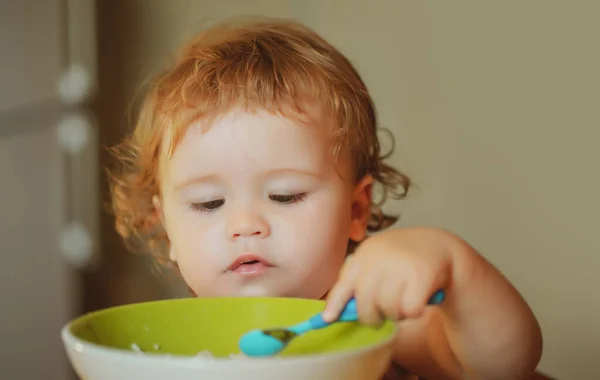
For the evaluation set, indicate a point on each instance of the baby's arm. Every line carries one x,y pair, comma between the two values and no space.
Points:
484,329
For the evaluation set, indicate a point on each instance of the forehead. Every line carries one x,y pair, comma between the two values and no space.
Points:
240,142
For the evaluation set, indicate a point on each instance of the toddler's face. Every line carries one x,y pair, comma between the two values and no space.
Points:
256,206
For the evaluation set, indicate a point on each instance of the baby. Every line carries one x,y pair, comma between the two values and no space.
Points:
252,168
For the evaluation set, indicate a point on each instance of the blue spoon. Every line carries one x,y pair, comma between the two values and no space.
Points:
269,342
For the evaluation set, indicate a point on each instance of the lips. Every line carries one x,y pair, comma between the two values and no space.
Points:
249,264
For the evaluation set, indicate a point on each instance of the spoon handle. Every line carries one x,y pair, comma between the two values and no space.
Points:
350,314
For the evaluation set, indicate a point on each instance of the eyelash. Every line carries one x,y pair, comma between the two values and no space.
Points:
214,205
209,206
288,199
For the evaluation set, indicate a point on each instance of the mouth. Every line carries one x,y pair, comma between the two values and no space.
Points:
248,264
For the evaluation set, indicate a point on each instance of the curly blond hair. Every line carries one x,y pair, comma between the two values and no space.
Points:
275,65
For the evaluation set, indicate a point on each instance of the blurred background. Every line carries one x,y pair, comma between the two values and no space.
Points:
494,107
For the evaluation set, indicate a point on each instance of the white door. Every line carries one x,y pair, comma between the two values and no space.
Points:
47,161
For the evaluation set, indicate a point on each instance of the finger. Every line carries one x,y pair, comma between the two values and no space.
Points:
341,292
414,298
366,291
389,297
419,293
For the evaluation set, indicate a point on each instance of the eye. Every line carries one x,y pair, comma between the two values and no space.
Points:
208,206
287,199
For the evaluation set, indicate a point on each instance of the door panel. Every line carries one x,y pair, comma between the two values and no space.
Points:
48,180
38,288
31,47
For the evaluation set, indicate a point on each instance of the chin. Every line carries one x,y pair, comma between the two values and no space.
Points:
255,291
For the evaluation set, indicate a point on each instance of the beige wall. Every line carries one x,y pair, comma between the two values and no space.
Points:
494,108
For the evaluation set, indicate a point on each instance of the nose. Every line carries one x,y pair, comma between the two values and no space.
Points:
247,224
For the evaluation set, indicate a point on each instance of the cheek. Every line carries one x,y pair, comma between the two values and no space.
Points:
195,242
193,275
189,231
320,229
197,257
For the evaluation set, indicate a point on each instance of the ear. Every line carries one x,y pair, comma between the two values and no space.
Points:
156,202
361,208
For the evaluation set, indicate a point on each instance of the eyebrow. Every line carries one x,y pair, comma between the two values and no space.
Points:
297,171
269,173
195,180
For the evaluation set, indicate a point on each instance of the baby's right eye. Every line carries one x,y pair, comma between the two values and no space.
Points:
208,206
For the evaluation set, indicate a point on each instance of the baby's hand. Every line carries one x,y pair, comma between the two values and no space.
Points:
392,275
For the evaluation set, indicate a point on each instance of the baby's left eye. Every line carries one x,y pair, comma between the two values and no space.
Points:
287,199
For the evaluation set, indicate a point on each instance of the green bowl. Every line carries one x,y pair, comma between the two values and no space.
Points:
171,334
